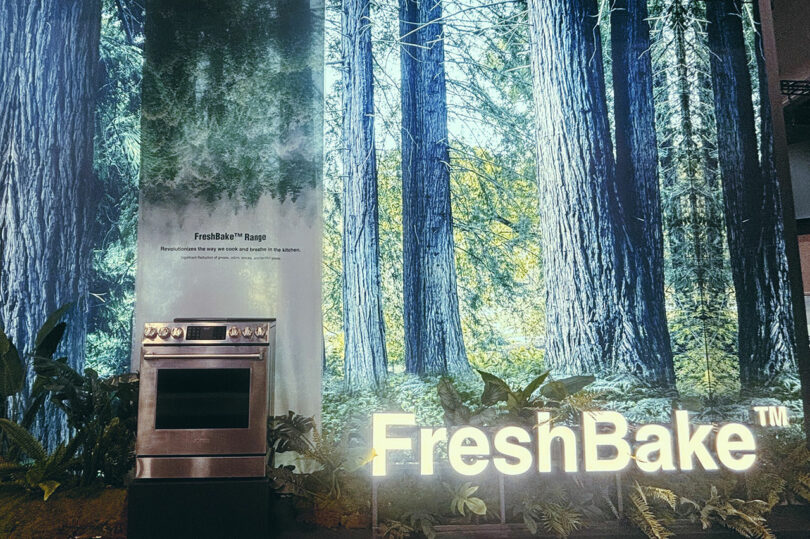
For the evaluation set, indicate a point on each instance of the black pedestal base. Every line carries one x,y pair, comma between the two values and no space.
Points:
199,508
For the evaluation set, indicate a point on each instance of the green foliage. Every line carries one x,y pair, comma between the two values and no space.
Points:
13,370
289,433
519,404
744,517
12,373
335,459
463,500
458,413
23,439
400,392
636,399
558,519
102,412
640,511
651,508
228,103
782,472
395,529
421,522
117,159
42,471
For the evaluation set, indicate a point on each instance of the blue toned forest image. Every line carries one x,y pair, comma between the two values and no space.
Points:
522,262
529,206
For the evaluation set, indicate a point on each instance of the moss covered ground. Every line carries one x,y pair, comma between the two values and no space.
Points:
74,514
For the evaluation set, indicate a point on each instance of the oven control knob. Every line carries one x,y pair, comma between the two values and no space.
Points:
177,333
247,332
163,332
150,332
261,332
233,332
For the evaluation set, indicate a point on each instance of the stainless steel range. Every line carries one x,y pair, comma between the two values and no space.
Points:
205,395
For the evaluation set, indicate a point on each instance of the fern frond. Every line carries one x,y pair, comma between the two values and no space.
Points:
642,516
23,439
744,517
661,495
10,468
561,520
57,462
748,528
801,486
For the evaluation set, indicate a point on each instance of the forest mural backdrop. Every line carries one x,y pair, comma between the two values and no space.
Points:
512,186
579,186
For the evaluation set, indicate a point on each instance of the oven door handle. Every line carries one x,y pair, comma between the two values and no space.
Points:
254,357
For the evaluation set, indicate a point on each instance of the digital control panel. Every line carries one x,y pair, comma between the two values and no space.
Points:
206,333
195,333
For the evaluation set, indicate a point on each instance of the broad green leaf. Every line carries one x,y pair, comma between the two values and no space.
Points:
48,487
51,324
554,390
560,389
4,342
485,416
512,403
534,384
33,408
470,490
455,411
573,384
12,371
47,348
495,389
477,506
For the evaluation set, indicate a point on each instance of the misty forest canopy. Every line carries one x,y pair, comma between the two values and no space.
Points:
498,194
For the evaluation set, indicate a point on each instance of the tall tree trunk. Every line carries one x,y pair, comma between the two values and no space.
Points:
590,317
752,207
48,60
365,360
637,179
717,280
672,213
433,339
689,153
773,232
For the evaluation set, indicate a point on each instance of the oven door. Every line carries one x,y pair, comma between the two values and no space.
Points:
202,401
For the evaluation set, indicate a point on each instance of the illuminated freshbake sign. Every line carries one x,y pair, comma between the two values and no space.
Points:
605,444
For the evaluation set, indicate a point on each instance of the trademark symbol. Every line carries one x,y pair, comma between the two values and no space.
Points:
771,416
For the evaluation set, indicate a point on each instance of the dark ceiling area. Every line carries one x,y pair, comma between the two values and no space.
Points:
797,120
793,49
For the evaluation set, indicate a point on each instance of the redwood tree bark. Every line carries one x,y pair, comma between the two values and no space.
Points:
591,322
773,230
365,361
637,180
48,61
433,339
752,206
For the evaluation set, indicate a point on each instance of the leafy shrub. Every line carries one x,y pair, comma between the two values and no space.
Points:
40,470
102,414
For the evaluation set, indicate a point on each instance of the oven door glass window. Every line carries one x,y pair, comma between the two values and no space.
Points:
202,399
